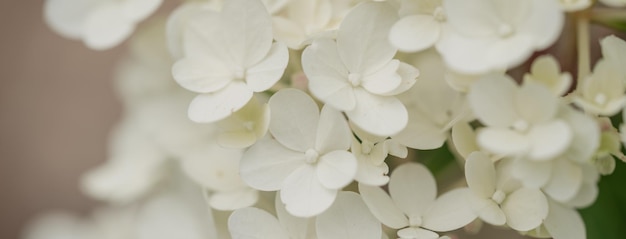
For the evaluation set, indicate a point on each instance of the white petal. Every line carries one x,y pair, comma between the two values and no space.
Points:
525,209
215,168
536,103
105,28
378,115
614,49
396,149
491,99
381,205
415,33
66,17
464,139
288,32
566,180
408,74
333,132
412,232
228,201
266,73
304,195
267,163
480,174
544,22
369,173
254,223
503,141
199,37
137,10
202,75
336,169
412,188
533,174
236,139
348,218
586,134
362,37
450,211
211,107
296,227
247,31
420,132
549,139
586,196
383,80
487,210
328,77
294,119
564,223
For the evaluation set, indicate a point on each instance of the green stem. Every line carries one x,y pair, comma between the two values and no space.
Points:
583,43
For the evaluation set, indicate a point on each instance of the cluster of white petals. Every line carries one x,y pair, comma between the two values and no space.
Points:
256,119
101,24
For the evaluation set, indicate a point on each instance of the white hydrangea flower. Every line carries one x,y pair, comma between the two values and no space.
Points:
177,22
347,218
614,51
413,206
371,152
307,160
303,21
420,25
101,24
216,169
487,35
564,222
243,128
171,213
546,70
357,74
228,57
564,177
602,93
498,199
521,121
575,5
135,166
433,106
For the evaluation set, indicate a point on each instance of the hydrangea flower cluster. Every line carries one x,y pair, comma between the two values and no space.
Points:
290,119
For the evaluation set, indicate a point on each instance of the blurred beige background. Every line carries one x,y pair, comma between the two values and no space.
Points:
56,107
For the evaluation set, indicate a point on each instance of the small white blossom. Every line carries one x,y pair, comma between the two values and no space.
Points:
498,199
228,57
487,35
546,70
420,25
603,92
433,106
347,218
357,73
244,127
307,160
412,204
101,24
521,121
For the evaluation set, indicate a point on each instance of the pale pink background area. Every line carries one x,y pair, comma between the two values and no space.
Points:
56,108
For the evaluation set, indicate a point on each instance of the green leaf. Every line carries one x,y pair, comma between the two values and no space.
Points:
436,160
606,218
